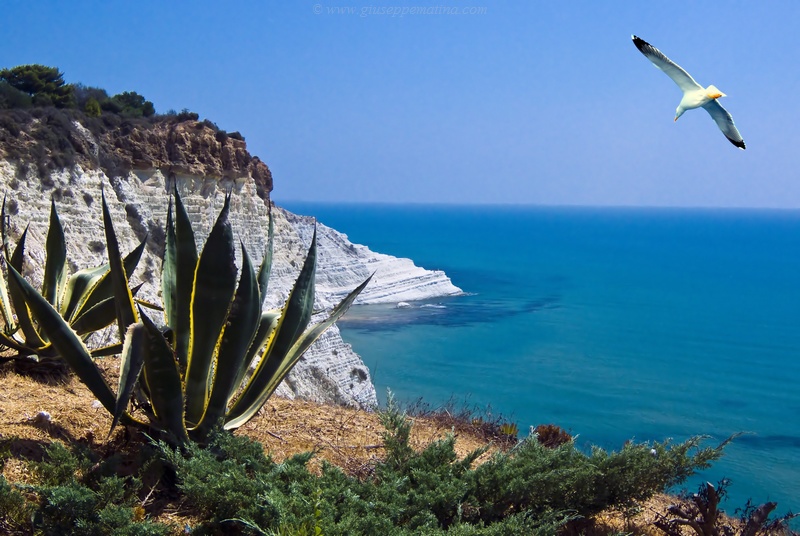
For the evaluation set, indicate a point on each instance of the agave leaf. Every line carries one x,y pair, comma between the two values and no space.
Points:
104,351
297,312
104,287
214,286
66,342
266,263
292,357
266,327
131,363
177,276
14,344
77,289
147,304
32,337
41,352
3,234
5,303
239,330
311,335
55,263
19,252
126,310
163,380
169,276
100,316
294,318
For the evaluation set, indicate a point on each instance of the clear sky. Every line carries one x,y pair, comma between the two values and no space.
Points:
500,102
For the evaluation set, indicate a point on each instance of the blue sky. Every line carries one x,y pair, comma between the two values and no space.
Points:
522,102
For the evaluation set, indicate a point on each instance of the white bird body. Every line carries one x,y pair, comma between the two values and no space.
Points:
694,95
695,98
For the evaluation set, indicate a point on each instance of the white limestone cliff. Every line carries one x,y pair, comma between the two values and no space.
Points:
330,371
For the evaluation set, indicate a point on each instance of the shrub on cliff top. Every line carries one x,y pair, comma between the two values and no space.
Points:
72,494
11,97
92,108
129,104
528,490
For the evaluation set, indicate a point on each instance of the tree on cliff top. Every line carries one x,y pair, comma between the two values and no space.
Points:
129,104
40,86
44,84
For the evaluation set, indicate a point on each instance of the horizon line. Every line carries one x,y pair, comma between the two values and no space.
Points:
282,202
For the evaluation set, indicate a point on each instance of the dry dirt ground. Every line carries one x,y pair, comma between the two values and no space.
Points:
36,412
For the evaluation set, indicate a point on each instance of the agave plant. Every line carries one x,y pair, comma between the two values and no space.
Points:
219,357
84,299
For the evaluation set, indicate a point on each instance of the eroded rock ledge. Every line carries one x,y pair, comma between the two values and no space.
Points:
49,139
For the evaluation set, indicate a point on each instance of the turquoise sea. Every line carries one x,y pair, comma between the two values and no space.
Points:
614,323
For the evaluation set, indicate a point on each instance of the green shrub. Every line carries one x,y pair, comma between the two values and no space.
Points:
10,125
16,510
84,94
186,115
229,479
535,477
12,98
129,104
92,108
74,495
530,490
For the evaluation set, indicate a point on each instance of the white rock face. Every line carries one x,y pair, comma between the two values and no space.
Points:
342,266
329,371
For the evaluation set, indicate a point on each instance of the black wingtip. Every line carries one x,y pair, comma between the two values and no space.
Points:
640,43
737,143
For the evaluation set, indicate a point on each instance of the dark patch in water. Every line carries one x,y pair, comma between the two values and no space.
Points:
459,311
769,441
733,403
548,302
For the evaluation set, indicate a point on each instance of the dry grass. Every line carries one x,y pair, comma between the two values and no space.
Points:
346,437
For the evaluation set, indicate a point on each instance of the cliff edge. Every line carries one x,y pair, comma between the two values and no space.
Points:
137,162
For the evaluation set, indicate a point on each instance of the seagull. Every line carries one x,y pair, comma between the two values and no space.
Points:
694,95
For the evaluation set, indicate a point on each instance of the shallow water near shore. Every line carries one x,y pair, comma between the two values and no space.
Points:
614,323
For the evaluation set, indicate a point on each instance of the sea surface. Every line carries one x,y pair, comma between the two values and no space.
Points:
614,323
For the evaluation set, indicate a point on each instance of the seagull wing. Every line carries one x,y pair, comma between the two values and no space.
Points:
724,122
673,70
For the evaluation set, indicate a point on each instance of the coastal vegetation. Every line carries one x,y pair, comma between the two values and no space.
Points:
38,110
231,486
28,86
169,461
